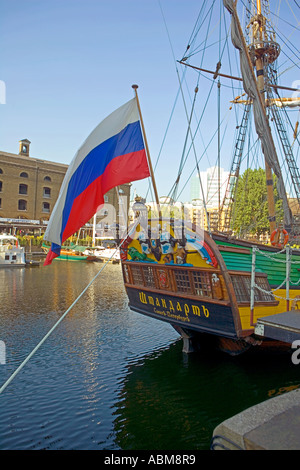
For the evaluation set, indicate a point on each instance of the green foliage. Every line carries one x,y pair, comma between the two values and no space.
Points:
251,206
30,240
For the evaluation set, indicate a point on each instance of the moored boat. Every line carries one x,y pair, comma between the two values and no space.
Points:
11,254
213,286
71,254
102,253
202,285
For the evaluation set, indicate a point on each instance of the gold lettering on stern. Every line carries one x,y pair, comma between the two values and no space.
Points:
205,311
143,298
172,311
196,310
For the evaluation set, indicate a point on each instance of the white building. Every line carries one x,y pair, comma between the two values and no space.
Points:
210,185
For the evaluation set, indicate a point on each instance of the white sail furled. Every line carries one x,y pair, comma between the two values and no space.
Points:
261,120
279,102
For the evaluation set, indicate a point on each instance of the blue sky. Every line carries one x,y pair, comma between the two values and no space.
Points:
68,64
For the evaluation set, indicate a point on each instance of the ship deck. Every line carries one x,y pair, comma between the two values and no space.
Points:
284,327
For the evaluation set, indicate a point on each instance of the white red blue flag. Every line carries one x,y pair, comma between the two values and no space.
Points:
113,154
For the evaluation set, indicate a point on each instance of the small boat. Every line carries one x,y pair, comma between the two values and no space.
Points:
71,254
11,254
102,253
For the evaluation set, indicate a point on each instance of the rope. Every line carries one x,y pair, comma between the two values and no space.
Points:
15,373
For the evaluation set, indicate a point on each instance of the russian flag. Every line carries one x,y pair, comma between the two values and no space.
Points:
113,154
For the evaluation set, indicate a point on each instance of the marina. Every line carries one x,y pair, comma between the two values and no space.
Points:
166,325
67,397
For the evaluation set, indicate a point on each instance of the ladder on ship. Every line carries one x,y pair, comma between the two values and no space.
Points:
286,147
282,133
228,201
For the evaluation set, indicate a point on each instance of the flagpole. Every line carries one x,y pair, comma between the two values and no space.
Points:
135,87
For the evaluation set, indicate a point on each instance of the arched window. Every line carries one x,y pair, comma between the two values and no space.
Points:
47,178
46,207
1,186
1,171
47,192
23,189
24,174
22,205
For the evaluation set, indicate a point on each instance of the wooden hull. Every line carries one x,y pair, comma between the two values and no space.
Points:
184,312
209,293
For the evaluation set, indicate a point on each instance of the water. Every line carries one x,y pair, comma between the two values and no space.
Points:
109,378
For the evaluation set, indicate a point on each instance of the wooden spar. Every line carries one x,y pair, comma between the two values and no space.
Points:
135,87
217,74
259,7
281,102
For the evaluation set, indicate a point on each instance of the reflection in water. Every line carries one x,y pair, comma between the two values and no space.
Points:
109,378
181,399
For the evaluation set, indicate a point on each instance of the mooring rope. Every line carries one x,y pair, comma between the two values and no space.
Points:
15,373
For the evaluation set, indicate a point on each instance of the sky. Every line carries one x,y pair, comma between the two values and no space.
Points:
67,64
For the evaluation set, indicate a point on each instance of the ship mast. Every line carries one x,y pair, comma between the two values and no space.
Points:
264,49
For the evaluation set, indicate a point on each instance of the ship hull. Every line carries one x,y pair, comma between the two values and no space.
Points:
204,290
190,314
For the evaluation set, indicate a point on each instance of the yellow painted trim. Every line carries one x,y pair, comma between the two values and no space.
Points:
264,310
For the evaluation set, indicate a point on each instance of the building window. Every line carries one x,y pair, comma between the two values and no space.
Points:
23,189
22,205
0,203
0,186
24,175
46,207
47,192
47,178
1,171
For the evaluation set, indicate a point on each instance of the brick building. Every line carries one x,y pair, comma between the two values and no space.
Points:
29,188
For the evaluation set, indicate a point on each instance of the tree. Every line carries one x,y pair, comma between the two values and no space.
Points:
250,214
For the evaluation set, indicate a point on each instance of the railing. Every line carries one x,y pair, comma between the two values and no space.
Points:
222,442
186,281
287,281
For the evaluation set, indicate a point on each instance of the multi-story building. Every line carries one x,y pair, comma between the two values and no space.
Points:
213,182
29,188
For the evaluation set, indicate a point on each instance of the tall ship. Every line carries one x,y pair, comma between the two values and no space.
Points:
225,286
219,283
